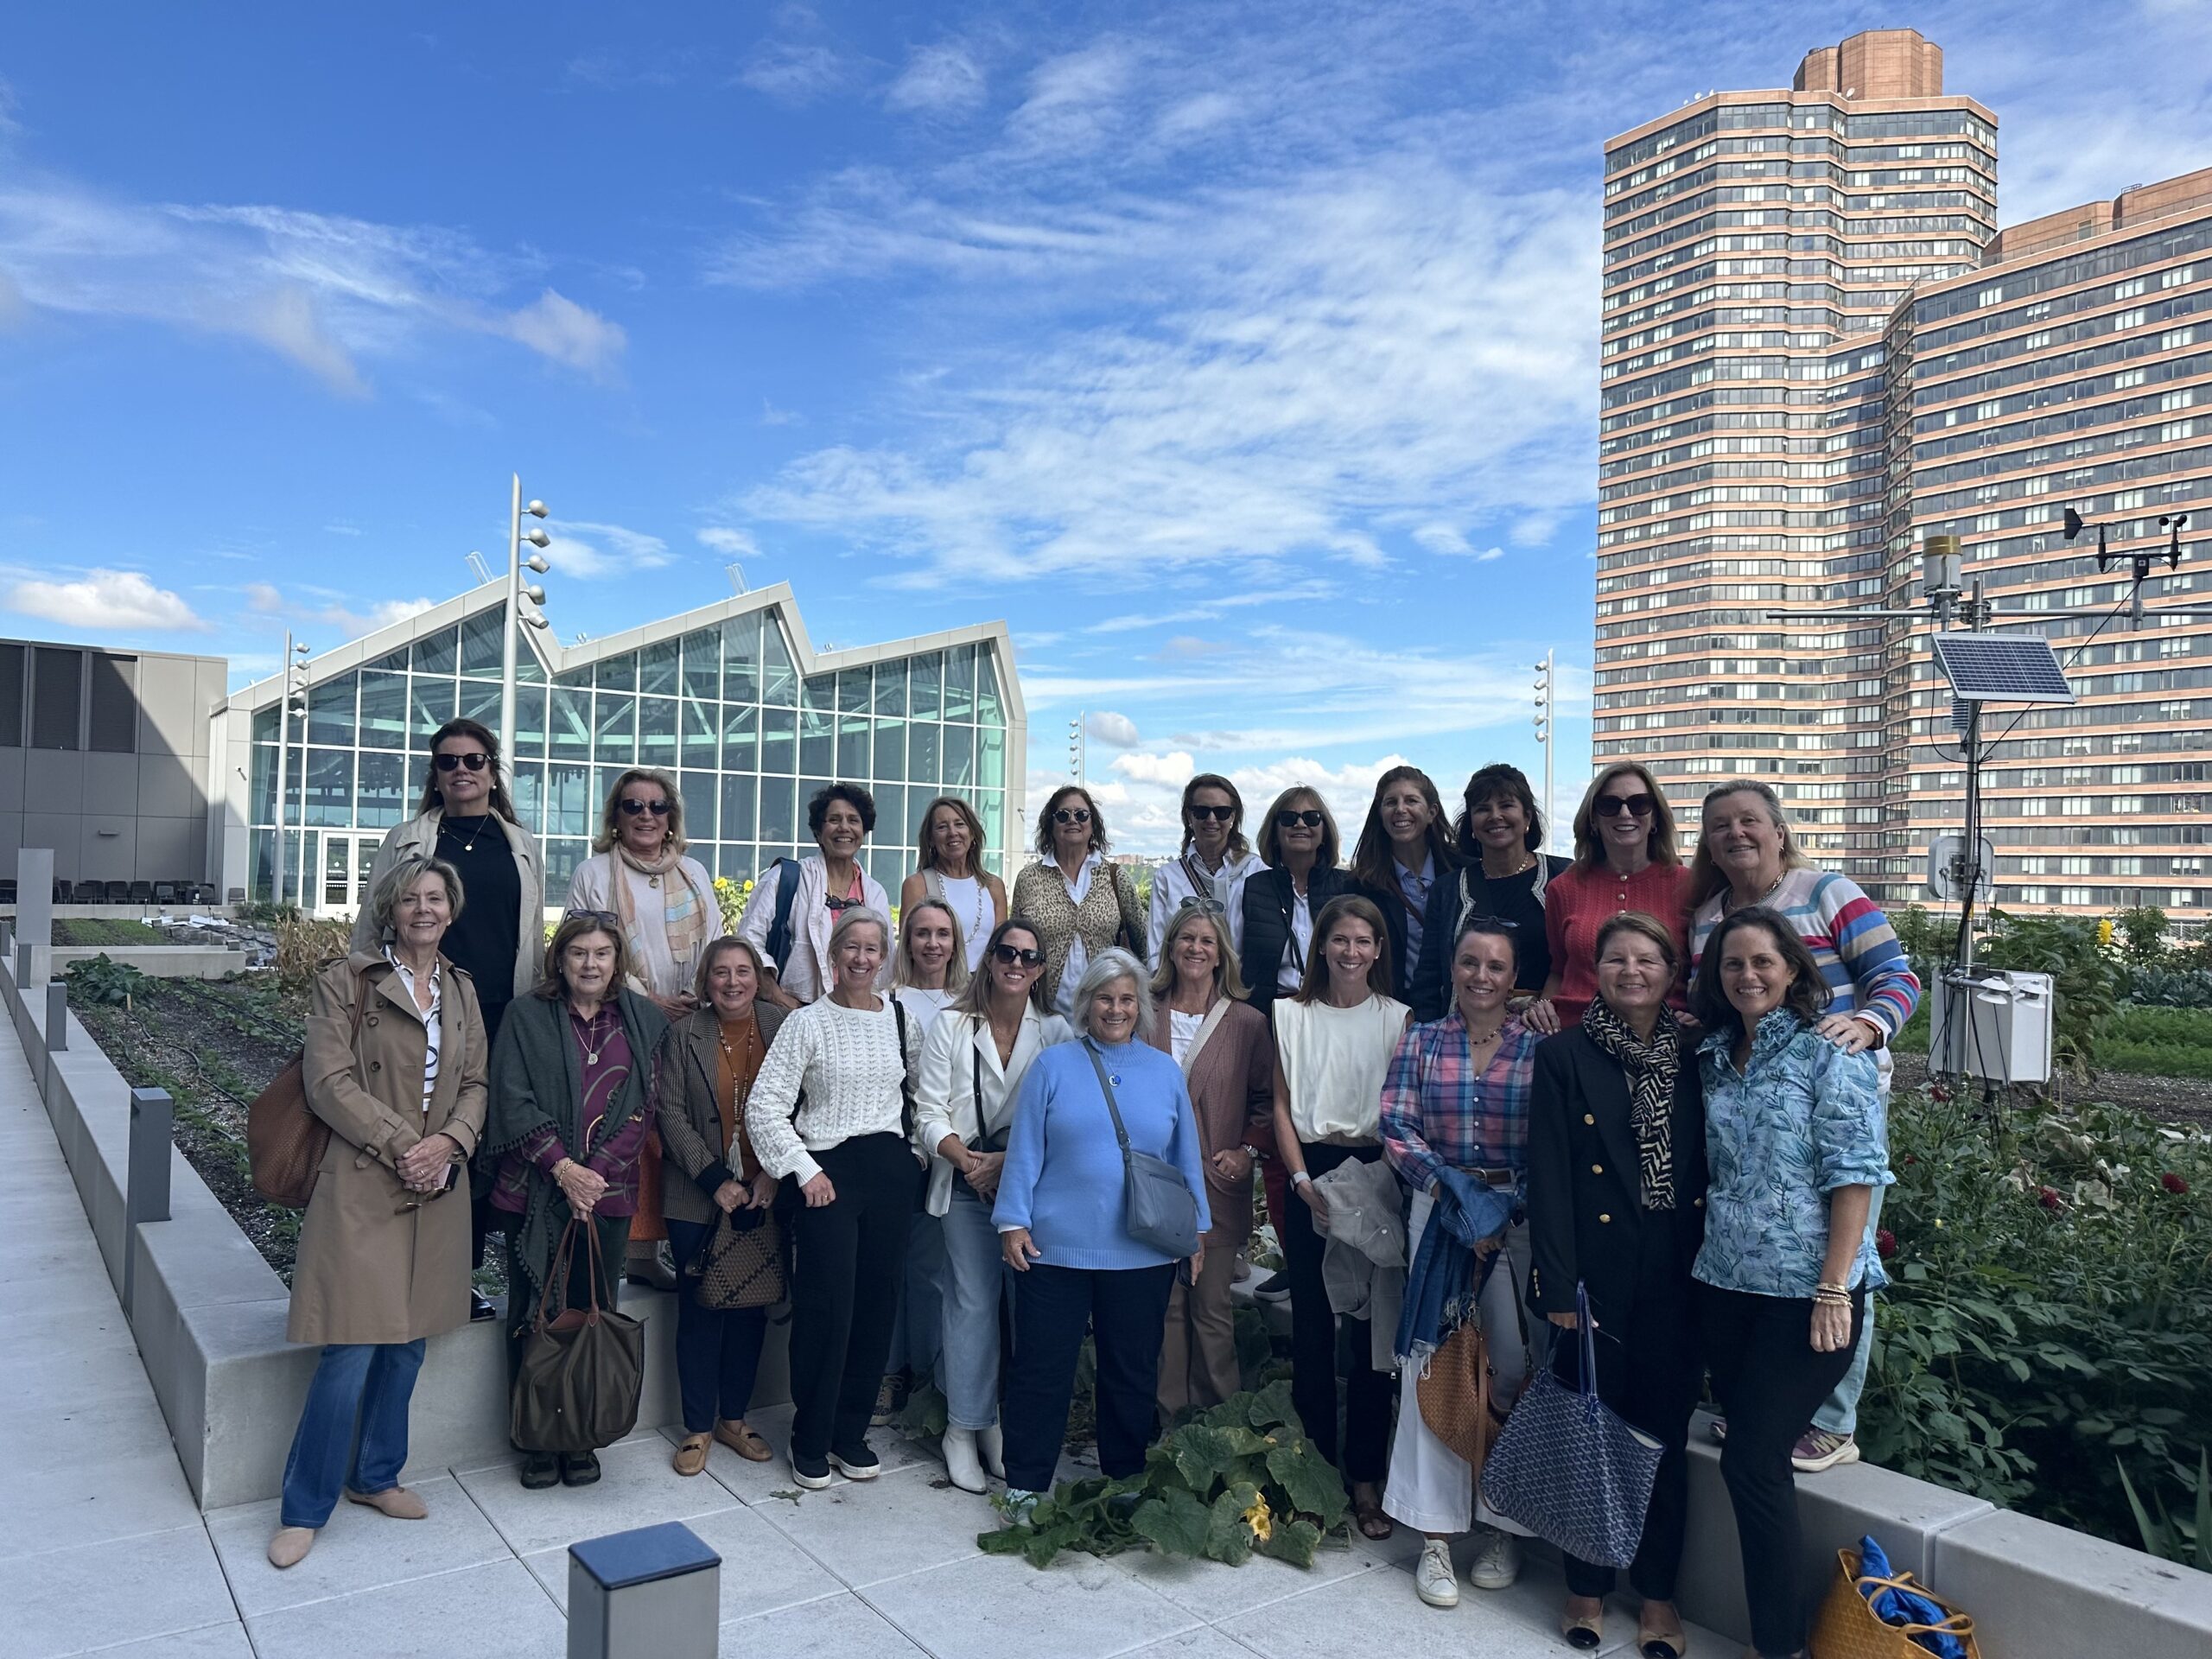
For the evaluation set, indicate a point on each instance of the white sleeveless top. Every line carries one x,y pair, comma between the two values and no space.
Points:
971,903
1335,1061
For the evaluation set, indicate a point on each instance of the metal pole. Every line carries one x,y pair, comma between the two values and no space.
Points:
513,620
284,750
146,1188
1551,732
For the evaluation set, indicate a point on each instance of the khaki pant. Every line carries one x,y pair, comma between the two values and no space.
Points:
1197,1354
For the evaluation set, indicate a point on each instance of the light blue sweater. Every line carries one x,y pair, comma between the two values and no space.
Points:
1063,1175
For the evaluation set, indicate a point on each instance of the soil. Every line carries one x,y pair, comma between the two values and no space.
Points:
2177,1101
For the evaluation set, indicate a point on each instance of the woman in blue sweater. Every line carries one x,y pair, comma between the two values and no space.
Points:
1060,1219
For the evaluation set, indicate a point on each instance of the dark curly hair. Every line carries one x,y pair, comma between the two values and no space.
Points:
817,810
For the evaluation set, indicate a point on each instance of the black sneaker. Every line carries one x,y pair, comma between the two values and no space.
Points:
855,1462
1274,1288
539,1471
579,1468
810,1471
480,1308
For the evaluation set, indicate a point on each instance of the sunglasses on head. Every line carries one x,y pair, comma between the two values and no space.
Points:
1007,955
1637,805
1289,819
1071,814
1212,813
605,919
475,761
632,806
1203,906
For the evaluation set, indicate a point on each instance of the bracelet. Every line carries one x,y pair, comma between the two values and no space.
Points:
1299,1178
1827,1287
1250,1151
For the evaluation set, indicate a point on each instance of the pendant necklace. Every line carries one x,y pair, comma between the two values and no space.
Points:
450,826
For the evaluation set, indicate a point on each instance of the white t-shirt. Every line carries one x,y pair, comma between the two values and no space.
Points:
1182,1032
923,1007
1292,973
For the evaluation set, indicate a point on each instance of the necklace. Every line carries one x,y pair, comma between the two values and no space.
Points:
982,929
1527,862
449,826
583,1034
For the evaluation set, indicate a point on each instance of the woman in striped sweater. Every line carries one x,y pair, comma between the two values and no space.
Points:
1747,855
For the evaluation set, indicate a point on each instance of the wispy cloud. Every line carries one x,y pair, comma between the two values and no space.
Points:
594,552
736,544
105,601
311,607
941,81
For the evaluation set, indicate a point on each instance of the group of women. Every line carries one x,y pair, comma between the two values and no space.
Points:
1620,1087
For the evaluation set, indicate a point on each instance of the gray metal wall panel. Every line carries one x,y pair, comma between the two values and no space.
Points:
172,718
110,785
171,850
107,848
168,786
59,830
11,780
53,783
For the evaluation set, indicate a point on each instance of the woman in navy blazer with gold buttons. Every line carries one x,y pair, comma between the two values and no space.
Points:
1617,1180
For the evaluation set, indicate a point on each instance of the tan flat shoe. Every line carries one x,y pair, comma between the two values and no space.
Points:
290,1545
1661,1644
691,1454
742,1440
1584,1630
395,1501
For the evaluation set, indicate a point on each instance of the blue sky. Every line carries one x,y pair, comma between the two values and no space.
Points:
1243,357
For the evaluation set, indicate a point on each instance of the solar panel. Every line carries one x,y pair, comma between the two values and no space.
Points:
2001,668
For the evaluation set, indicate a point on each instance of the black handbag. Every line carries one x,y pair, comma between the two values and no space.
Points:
582,1369
1159,1208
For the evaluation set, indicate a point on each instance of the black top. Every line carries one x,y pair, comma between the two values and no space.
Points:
1427,990
1269,898
484,939
1513,898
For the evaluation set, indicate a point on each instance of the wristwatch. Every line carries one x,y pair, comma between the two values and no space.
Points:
1301,1179
1251,1152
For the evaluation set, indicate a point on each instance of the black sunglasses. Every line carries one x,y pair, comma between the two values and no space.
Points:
1007,954
1288,819
605,919
475,761
632,806
1203,906
1637,805
1216,814
1071,815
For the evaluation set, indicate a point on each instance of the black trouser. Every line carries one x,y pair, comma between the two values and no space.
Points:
1769,1382
483,1219
1126,1312
1649,1372
717,1349
1366,1451
523,1295
848,1257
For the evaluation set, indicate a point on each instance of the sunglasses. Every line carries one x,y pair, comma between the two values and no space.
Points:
1212,813
632,807
1287,819
1637,805
1007,955
605,919
1071,815
475,761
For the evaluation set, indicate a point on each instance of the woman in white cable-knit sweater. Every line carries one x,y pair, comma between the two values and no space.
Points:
847,1145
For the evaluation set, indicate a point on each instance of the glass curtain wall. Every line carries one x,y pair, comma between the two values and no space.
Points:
723,708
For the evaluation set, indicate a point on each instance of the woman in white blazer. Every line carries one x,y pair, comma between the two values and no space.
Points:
971,1071
842,817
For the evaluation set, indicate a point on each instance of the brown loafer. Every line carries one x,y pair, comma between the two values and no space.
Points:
290,1545
395,1501
691,1454
742,1440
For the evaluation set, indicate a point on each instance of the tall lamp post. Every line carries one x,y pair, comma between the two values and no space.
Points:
1544,722
516,591
295,684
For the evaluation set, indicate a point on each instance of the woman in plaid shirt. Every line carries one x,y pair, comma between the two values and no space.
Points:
1457,1098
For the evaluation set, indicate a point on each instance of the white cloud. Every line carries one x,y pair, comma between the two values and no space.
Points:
593,552
938,81
1453,543
1075,100
1172,770
385,612
555,327
334,612
1116,731
790,70
105,601
737,543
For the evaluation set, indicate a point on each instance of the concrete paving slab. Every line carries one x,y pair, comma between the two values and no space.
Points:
95,1501
1204,1643
762,1570
1000,1607
1389,1617
1217,1592
495,1611
360,1549
842,1627
215,1642
870,1530
65,1601
636,1488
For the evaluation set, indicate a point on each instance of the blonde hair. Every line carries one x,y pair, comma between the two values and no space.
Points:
610,818
902,965
926,844
1706,878
853,917
1228,981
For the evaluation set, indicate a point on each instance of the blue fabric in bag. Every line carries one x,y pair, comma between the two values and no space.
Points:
1901,1607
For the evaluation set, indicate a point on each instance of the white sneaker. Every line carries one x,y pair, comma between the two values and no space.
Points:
1497,1560
1434,1579
990,1450
960,1459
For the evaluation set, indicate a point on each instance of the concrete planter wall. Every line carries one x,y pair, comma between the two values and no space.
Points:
155,960
209,1315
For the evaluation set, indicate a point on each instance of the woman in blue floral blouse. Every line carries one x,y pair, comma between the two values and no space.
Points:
1797,1141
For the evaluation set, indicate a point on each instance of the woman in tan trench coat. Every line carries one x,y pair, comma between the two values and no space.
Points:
395,1065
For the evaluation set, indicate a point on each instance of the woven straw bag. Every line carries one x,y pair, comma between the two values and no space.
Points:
740,1266
1848,1627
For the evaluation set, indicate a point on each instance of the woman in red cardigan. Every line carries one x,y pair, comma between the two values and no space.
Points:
1624,860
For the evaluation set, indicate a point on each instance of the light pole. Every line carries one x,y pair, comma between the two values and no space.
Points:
1076,755
295,678
1545,723
516,593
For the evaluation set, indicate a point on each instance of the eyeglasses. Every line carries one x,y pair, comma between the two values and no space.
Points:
1202,906
1287,819
632,807
475,761
1637,805
1071,815
1007,955
1487,924
605,919
1212,813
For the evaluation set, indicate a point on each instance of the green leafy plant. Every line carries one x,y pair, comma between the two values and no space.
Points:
1238,1480
101,981
2169,988
2142,935
2176,1540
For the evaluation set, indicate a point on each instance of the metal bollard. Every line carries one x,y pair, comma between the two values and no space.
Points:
146,1191
23,968
57,1016
652,1593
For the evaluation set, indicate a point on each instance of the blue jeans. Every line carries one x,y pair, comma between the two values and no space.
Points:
975,1283
1839,1413
370,1382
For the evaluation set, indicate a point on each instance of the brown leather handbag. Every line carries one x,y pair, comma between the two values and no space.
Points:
741,1265
285,1140
1458,1395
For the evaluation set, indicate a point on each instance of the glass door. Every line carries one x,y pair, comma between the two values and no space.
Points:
342,885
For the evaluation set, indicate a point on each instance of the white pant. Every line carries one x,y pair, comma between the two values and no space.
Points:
1432,1489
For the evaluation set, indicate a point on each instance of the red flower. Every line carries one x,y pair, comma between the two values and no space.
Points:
1939,1092
1885,1242
1910,1159
2048,1197
2172,1182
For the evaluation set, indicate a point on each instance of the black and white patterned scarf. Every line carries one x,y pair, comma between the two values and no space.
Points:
1650,1065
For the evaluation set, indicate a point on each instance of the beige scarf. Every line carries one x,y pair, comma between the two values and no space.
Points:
684,908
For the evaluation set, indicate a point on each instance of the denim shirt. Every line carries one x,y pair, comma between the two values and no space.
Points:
1802,1118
